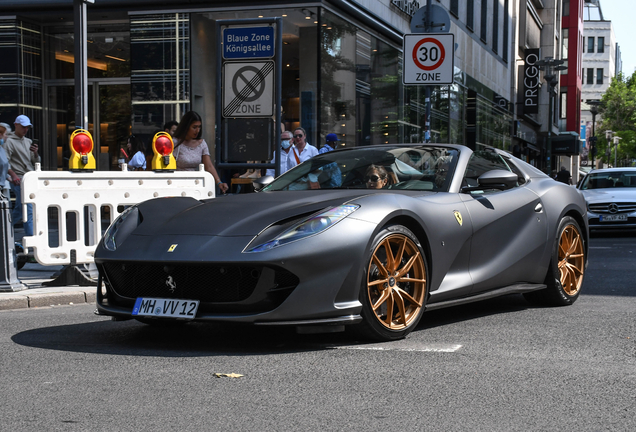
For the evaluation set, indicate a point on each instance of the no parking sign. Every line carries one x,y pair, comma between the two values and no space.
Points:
429,58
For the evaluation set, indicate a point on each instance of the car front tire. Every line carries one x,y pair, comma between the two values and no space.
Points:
393,292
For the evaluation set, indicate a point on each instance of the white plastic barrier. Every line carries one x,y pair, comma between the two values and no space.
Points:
81,196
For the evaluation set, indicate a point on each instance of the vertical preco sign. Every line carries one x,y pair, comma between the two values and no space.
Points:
531,81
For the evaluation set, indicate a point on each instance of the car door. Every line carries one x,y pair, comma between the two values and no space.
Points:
509,228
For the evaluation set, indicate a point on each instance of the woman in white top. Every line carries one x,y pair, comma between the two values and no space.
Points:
191,150
137,149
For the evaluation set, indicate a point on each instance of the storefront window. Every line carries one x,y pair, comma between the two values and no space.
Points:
340,51
361,98
108,51
493,125
160,72
20,72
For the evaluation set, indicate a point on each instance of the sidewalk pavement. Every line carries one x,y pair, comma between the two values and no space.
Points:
33,275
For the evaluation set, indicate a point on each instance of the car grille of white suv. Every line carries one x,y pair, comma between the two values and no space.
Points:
612,208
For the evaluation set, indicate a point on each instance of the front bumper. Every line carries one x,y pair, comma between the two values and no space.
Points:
310,282
596,223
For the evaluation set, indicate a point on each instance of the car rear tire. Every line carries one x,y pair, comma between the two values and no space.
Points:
394,289
567,266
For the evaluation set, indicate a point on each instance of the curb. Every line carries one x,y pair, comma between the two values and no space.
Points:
46,297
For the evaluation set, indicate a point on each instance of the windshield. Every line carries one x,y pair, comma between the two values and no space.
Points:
425,167
614,179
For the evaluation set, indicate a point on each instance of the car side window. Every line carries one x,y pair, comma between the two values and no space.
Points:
481,162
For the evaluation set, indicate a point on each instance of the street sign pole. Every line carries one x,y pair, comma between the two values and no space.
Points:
427,125
253,92
428,60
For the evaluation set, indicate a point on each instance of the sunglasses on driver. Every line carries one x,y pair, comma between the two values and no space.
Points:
372,178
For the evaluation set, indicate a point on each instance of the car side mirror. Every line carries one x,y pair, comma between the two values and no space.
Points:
498,179
261,182
495,179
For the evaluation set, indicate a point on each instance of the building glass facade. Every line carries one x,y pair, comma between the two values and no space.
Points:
340,75
20,71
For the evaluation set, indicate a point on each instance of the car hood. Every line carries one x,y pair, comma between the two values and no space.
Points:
234,215
610,195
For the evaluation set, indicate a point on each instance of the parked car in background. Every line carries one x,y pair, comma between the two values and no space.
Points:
610,195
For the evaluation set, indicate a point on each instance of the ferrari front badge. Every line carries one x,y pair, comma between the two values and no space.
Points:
458,216
174,246
171,284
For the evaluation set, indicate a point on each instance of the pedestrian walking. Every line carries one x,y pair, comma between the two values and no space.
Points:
191,150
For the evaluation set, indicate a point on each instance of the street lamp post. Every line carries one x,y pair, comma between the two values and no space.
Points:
551,67
594,111
609,135
616,139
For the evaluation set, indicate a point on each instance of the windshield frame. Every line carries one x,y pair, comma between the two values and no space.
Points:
418,167
609,180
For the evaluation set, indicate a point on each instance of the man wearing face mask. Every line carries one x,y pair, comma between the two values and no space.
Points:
285,161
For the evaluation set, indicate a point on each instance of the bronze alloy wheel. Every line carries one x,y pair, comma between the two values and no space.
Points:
396,281
571,260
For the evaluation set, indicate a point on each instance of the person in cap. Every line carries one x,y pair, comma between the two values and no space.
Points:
331,143
23,155
333,173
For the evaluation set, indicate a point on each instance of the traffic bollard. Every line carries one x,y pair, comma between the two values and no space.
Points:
9,276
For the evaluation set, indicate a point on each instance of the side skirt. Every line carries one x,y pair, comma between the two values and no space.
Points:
512,289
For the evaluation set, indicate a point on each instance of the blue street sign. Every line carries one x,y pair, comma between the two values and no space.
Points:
248,42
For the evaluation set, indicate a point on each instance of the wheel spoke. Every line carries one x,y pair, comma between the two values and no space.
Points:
389,310
378,282
575,244
400,254
383,270
390,261
400,304
382,299
408,265
407,279
574,269
407,296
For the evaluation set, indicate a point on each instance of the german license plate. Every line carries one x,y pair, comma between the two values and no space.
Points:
613,218
165,308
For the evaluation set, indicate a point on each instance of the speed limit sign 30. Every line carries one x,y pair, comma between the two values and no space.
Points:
429,58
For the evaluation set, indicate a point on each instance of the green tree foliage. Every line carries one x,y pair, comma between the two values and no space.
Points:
618,111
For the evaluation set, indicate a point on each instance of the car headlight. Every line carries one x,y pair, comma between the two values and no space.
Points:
311,226
121,228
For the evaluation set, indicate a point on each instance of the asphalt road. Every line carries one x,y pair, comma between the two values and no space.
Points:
498,365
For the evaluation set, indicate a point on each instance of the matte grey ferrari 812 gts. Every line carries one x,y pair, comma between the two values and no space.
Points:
367,237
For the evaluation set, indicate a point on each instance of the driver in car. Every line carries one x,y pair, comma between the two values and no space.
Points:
376,177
